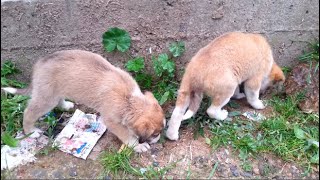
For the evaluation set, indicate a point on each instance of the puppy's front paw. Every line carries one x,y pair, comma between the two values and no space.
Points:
257,104
36,133
218,114
67,105
172,134
141,147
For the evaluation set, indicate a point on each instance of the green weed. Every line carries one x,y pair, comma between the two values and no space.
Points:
312,54
311,57
11,106
116,39
119,165
7,69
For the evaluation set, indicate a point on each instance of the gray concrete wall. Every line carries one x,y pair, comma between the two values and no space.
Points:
30,29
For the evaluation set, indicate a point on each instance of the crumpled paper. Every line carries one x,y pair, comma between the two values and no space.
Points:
255,116
13,156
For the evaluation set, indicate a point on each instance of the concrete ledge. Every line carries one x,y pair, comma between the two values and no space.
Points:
30,29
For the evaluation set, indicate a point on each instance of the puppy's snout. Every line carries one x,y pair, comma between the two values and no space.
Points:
154,139
142,140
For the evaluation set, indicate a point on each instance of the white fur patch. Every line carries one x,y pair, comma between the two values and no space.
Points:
155,139
66,105
188,114
217,113
257,104
10,90
137,92
141,147
174,123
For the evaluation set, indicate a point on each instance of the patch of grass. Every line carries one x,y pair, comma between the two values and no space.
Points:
12,107
118,164
289,133
7,69
312,54
311,57
115,162
286,70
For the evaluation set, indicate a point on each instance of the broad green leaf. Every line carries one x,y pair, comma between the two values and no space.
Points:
233,104
177,48
7,139
135,65
208,141
162,65
116,38
299,133
144,80
164,98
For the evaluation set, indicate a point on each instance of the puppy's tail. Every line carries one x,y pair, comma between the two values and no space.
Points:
11,90
195,100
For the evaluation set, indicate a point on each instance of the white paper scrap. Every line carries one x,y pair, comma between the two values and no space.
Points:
255,116
14,156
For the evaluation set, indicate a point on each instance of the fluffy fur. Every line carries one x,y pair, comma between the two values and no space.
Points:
87,78
218,69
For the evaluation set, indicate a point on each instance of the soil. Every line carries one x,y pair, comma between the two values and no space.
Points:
195,159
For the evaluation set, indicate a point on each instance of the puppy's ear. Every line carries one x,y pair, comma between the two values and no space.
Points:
143,131
277,74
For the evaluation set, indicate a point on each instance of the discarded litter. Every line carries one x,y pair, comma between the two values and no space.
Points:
13,156
80,135
255,116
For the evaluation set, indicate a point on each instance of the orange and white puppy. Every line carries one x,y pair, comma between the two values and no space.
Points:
87,78
218,69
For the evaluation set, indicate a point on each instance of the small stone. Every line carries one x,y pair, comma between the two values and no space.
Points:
234,171
256,170
246,174
39,174
222,171
155,164
227,161
107,178
73,172
58,175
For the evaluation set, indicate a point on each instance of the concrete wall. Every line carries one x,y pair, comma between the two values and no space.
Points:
30,29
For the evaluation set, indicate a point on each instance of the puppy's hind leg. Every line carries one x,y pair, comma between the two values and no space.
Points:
252,89
37,107
195,101
220,99
174,123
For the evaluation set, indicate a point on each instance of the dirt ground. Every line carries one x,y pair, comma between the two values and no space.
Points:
195,159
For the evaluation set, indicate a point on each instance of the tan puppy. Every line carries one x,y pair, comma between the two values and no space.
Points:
218,69
87,78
